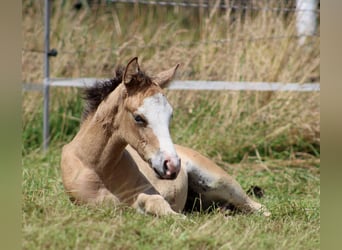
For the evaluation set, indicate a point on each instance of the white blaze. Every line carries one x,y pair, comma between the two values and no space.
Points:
157,111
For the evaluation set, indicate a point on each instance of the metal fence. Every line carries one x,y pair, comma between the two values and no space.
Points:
308,9
232,5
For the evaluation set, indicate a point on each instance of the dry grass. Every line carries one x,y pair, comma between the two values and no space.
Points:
210,46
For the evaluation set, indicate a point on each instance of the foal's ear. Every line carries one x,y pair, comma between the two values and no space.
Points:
164,78
132,68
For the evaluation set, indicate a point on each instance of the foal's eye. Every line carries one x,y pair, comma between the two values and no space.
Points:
138,119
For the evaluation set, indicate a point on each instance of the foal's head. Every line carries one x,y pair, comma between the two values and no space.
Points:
146,117
143,115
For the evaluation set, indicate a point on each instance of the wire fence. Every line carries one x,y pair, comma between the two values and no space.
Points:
215,4
196,4
185,44
176,85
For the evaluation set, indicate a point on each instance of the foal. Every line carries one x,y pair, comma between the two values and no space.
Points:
123,152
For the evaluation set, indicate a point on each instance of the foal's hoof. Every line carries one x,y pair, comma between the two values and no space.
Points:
181,216
264,212
177,215
267,214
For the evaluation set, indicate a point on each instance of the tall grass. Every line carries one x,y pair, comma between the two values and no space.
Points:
226,126
210,45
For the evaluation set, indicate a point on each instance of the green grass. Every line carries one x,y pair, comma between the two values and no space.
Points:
51,221
288,173
271,140
241,126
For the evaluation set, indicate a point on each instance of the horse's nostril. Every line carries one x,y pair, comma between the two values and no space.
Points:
170,170
165,167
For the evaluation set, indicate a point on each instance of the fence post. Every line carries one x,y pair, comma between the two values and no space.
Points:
46,75
306,19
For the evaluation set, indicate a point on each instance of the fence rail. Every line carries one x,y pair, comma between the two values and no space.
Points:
191,85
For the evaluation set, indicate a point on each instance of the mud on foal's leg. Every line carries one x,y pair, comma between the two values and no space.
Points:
215,185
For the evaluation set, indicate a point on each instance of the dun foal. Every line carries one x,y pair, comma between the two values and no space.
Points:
123,152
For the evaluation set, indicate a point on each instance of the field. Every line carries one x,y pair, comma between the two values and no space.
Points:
268,139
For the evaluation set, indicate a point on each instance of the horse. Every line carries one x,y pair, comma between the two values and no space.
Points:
123,152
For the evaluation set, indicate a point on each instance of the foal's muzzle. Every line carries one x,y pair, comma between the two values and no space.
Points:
166,166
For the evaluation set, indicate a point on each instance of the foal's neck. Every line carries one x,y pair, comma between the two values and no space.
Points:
98,141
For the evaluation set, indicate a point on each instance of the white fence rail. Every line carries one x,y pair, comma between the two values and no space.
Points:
192,85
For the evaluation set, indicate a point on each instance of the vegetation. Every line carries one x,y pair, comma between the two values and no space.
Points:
51,221
271,140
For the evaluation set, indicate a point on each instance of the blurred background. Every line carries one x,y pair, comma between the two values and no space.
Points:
246,40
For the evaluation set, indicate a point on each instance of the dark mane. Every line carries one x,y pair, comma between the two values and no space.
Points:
95,94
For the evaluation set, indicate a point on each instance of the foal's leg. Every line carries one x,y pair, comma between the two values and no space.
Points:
213,184
153,204
88,188
83,185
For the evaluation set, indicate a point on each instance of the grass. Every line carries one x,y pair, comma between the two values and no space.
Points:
50,221
242,125
269,139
